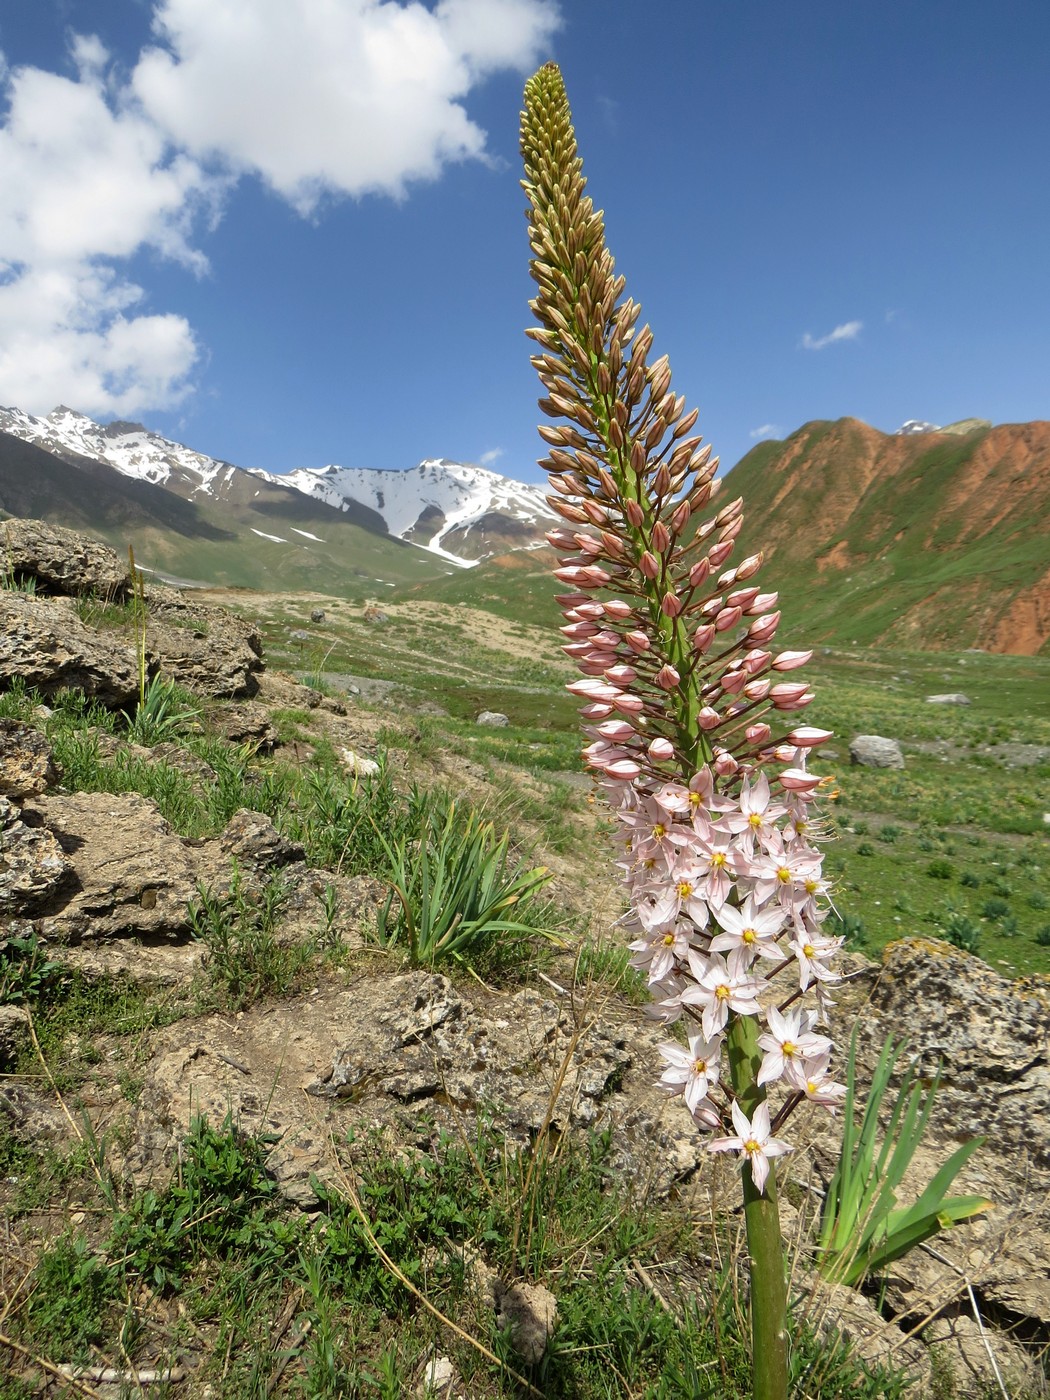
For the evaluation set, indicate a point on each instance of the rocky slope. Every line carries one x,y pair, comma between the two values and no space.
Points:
934,539
103,879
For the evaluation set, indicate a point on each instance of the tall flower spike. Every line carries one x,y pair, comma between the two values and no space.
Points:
710,787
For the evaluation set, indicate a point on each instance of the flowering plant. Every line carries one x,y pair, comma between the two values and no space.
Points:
687,711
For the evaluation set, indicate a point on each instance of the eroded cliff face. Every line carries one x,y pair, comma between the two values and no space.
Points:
930,540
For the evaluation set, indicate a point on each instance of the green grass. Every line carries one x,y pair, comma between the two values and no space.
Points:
215,1247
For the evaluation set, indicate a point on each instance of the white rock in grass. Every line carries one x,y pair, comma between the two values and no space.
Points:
492,717
955,697
873,751
357,763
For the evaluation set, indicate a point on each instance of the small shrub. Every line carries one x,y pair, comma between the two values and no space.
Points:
25,972
1042,936
17,702
1038,900
1008,927
888,833
963,931
941,870
970,880
995,908
865,849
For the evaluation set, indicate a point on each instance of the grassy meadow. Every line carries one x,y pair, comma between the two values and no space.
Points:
209,1281
954,845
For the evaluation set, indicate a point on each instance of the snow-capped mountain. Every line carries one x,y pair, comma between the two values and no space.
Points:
129,447
460,513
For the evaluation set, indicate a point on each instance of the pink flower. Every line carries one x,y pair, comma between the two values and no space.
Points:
752,1141
749,933
789,1043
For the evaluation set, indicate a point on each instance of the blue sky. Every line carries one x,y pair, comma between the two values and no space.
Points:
290,232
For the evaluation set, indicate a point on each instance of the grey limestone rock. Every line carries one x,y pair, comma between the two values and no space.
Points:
62,561
26,765
873,751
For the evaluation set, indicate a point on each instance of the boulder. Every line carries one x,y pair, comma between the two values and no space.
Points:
44,644
131,876
207,650
26,765
317,615
873,751
954,698
62,561
494,718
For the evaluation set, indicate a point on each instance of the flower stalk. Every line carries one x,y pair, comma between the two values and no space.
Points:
685,710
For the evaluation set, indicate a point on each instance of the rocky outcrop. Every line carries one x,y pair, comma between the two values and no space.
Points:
47,644
62,562
44,644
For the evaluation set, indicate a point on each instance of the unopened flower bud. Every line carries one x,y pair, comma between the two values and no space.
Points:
728,617
649,565
709,718
634,513
757,733
617,607
661,537
725,765
790,660
670,605
702,638
638,642
699,573
808,737
667,678
660,750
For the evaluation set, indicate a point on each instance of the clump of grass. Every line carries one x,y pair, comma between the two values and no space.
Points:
457,893
165,712
243,958
961,930
995,908
941,870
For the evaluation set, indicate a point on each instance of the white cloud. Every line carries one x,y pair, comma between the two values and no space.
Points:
767,430
849,330
315,97
69,335
488,459
345,97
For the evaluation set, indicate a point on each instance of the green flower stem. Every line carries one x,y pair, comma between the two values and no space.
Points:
765,1248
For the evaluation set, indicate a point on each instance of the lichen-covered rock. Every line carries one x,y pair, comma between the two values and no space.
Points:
989,1036
33,866
62,561
26,764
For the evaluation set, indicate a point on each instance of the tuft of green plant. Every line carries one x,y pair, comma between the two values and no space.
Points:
1042,936
71,1307
243,959
861,1228
25,971
940,870
459,892
17,702
962,931
165,712
970,880
346,822
220,1200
